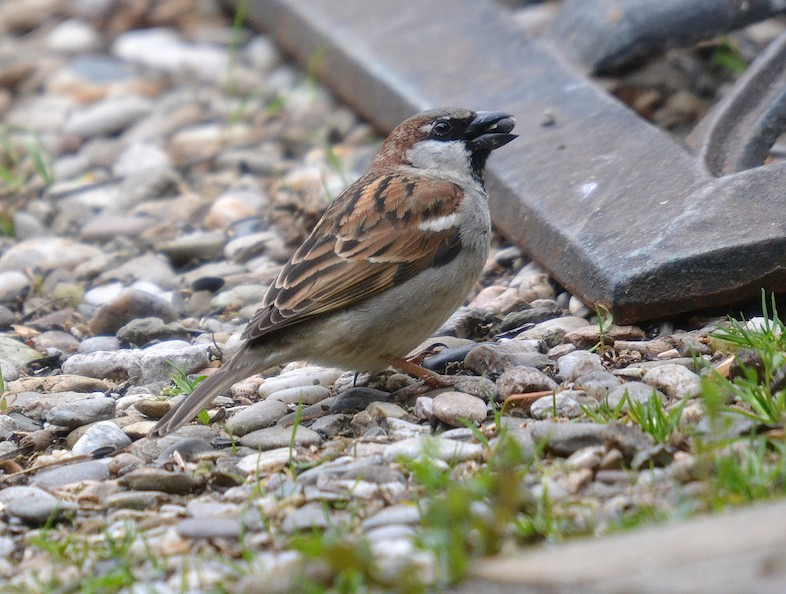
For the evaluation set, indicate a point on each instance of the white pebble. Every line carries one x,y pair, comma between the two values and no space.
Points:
100,435
301,394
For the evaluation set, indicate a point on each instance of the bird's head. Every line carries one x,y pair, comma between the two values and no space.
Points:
448,140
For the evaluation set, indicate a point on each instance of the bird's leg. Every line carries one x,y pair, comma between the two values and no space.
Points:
419,357
431,378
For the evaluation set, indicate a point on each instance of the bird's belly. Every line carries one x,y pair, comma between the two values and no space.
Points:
394,323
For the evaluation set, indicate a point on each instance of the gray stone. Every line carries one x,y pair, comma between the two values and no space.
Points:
207,527
577,307
56,341
7,317
362,423
521,380
533,283
306,412
386,410
373,473
277,437
187,449
110,365
589,457
303,376
386,538
546,310
675,381
566,404
162,49
73,36
81,412
629,440
59,383
598,384
200,508
312,516
238,297
145,270
103,294
25,424
156,362
482,387
129,305
638,391
254,161
266,461
47,253
104,434
562,439
578,363
158,479
9,371
344,468
17,353
99,343
123,462
357,399
234,205
494,358
257,416
58,476
7,427
424,408
332,425
37,405
455,408
403,429
13,284
690,344
37,511
725,426
262,53
589,336
143,331
141,159
391,515
41,113
552,332
301,394
447,450
108,225
654,456
20,492
107,116
194,247
690,363
139,500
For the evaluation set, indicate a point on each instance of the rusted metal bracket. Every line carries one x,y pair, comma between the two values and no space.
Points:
614,208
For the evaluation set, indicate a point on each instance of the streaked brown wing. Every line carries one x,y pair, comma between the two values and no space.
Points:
381,231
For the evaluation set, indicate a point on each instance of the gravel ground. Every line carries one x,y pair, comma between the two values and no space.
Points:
159,166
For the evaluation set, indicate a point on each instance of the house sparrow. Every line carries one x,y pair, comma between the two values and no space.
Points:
392,257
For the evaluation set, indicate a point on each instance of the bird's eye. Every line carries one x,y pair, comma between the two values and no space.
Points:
441,128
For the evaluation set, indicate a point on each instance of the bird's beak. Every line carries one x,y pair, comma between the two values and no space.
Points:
490,130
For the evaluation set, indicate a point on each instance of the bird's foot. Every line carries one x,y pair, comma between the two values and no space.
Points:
430,380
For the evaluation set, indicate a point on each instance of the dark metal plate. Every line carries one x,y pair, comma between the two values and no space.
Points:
617,211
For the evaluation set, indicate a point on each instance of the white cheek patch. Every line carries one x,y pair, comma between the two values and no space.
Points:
440,224
432,154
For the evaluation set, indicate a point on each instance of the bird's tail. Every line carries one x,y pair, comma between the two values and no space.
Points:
240,366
